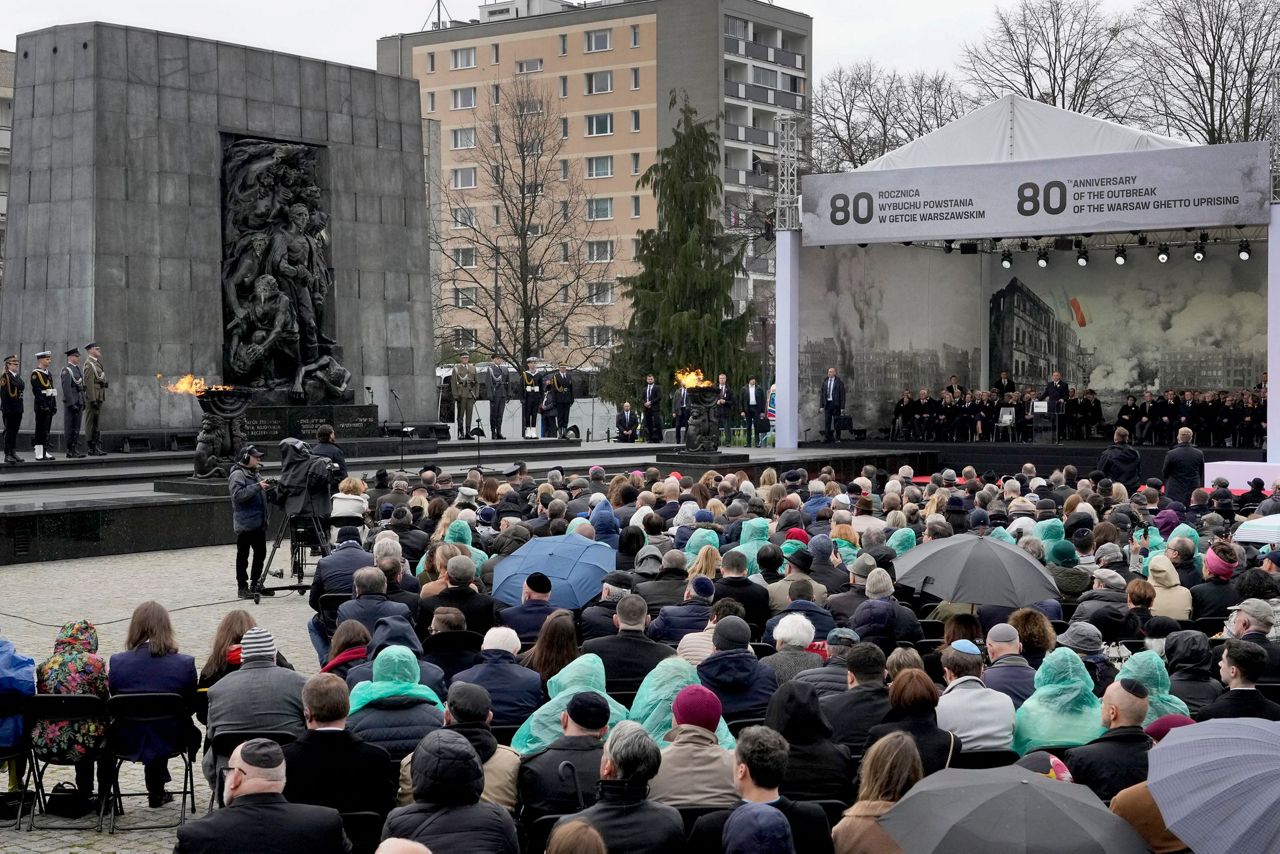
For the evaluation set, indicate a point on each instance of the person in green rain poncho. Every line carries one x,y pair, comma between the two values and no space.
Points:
1063,710
1149,670
755,535
902,541
584,673
652,705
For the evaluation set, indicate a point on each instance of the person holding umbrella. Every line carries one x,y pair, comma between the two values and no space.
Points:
1063,709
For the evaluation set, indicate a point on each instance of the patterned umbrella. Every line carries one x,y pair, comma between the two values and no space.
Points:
1218,784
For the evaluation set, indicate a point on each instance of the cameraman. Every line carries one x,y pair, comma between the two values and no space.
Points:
249,514
326,446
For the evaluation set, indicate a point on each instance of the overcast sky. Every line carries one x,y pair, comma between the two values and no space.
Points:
915,34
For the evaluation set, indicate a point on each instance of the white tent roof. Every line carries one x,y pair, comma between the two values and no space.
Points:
1018,128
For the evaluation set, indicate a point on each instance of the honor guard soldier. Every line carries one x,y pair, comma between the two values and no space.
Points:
72,402
95,394
45,402
531,400
11,390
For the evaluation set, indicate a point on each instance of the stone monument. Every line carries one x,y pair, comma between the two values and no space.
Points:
253,218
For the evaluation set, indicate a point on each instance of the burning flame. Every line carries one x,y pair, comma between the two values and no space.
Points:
692,378
192,385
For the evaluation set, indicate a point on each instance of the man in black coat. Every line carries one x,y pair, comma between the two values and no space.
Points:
335,573
761,757
752,406
330,767
626,423
542,790
1117,759
1241,666
1183,469
651,410
596,619
1251,621
724,407
629,655
853,713
1121,462
1055,392
831,404
479,609
325,446
534,608
257,816
680,410
734,584
371,603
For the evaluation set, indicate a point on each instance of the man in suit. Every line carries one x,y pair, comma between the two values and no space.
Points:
1004,385
626,423
257,817
335,573
72,402
12,388
629,655
1243,663
1055,392
751,406
562,389
724,407
497,377
531,396
1148,414
478,608
330,767
370,603
831,403
680,411
652,409
45,399
95,395
463,385
954,388
526,619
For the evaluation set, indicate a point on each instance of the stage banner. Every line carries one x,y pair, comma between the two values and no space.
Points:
1195,187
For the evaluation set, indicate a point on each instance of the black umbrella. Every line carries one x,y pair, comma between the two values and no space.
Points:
1009,810
977,570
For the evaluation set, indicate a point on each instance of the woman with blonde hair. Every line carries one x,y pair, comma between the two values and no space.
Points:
895,519
773,495
350,499
447,518
888,771
717,508
768,478
613,493
706,563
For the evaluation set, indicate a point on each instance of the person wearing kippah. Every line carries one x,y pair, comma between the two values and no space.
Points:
1117,759
981,717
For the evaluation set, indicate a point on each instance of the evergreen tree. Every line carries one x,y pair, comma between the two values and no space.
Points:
682,306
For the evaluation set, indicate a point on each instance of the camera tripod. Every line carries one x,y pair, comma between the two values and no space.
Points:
304,532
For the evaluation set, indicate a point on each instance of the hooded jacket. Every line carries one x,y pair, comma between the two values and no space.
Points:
755,534
393,711
460,532
74,668
605,525
1072,581
649,559
447,815
818,769
742,683
1063,710
1147,668
584,673
248,499
504,545
396,631
1172,599
787,520
665,589
1191,664
1122,463
699,538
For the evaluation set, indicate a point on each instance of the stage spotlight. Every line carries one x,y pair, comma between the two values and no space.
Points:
1022,245
1162,254
1142,239
1006,259
1042,257
1244,250
1121,255
1198,251
1082,257
946,247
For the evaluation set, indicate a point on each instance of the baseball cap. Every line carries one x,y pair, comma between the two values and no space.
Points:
1107,552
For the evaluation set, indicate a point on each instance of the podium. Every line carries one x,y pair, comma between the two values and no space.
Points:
1044,422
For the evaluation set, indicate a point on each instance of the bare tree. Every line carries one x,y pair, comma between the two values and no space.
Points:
519,255
1205,67
862,110
1068,53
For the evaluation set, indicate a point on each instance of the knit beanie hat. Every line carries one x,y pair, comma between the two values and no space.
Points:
257,643
697,706
879,584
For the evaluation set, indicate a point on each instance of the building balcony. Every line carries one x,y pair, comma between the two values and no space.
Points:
745,178
761,265
763,95
764,53
742,133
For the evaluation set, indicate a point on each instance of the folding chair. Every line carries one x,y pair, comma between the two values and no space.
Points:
131,710
225,743
739,724
13,704
364,829
1005,422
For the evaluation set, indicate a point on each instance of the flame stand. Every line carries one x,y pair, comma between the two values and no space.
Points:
702,435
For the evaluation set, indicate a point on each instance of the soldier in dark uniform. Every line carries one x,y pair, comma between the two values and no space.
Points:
11,404
562,385
72,402
497,395
44,399
532,397
651,409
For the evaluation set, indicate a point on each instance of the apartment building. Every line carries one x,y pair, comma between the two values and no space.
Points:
610,68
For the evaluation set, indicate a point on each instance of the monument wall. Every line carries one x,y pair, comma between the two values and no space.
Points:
117,227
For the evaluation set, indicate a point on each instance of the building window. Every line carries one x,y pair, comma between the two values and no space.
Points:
735,27
464,297
465,339
598,40
531,188
564,170
497,214
793,84
530,107
464,178
493,54
635,121
564,211
464,217
635,247
431,62
564,257
462,57
600,293
600,124
564,128
534,230
635,35
564,331
635,207
599,82
464,99
464,257
564,86
431,102
600,167
528,66
635,163
600,208
495,94
464,138
635,78
764,77
564,44
600,336
599,250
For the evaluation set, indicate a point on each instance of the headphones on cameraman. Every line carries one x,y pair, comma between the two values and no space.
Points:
249,451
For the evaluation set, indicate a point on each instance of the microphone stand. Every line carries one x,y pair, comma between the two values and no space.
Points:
403,430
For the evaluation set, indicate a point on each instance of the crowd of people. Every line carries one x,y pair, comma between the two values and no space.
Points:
1219,418
751,676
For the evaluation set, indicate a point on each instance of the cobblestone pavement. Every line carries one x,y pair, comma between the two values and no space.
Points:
198,588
